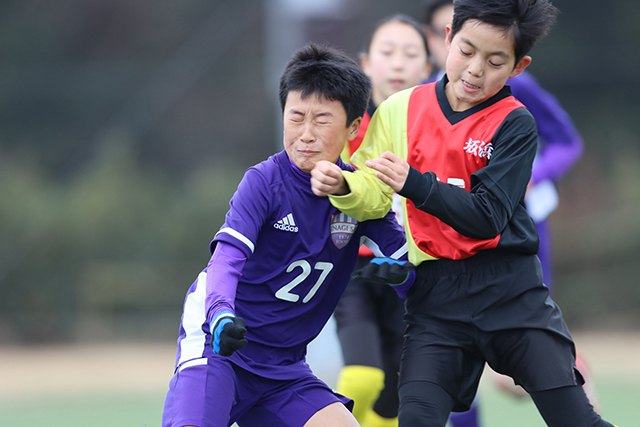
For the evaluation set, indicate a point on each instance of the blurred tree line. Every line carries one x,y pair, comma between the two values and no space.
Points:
126,126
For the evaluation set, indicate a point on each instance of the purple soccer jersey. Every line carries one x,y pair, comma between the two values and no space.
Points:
300,254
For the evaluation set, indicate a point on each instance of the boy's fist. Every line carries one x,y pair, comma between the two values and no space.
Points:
228,336
385,270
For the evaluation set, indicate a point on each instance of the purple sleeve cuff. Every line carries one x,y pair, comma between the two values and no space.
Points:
403,289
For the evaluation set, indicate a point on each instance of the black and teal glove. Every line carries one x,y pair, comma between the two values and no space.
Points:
399,274
227,334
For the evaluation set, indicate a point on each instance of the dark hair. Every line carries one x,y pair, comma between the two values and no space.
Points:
329,73
528,20
431,8
403,19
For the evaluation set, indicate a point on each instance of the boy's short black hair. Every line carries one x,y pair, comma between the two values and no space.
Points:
403,19
330,73
527,20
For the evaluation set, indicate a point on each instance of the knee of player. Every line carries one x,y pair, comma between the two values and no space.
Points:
423,403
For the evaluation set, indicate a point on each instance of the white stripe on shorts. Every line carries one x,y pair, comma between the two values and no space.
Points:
193,362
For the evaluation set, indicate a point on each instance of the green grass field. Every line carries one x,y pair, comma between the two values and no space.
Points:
93,409
619,404
112,385
619,399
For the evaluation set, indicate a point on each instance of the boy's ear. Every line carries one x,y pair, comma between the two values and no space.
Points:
354,127
447,38
520,66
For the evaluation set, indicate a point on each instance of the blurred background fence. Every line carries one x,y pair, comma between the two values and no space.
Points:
125,127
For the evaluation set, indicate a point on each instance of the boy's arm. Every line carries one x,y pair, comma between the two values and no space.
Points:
234,243
390,169
327,179
496,189
231,247
223,273
400,275
369,197
386,239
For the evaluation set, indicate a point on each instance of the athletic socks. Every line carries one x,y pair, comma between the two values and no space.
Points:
362,384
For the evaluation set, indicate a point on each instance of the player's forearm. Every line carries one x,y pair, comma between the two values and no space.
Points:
368,197
478,214
223,273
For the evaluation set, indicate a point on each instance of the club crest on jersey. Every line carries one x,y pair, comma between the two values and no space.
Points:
342,229
478,148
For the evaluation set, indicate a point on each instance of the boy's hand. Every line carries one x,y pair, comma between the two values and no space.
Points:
390,169
385,270
227,335
399,274
326,179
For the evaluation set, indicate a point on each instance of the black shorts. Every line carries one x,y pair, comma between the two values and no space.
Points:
492,308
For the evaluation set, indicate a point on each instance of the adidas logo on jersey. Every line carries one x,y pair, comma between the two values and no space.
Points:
287,224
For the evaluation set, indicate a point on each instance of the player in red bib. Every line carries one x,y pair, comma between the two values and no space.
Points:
460,151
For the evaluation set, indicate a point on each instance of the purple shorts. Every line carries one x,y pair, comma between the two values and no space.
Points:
212,392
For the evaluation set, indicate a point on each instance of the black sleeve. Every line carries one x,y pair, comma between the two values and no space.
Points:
496,189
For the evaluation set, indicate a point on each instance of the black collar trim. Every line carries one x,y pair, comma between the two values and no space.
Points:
457,116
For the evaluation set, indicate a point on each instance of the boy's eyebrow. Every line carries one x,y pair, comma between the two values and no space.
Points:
499,52
394,43
321,114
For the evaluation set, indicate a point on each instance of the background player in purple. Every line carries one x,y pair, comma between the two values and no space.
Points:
279,264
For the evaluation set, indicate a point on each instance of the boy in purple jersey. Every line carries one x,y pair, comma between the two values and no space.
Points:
279,265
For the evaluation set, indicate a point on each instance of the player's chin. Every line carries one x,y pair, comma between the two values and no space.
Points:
305,165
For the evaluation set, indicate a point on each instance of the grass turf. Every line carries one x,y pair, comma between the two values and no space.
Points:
618,404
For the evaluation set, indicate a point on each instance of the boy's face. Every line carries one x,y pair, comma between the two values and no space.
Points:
315,129
437,33
481,59
397,60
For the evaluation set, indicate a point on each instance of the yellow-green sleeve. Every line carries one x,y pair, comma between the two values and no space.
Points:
370,198
346,153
